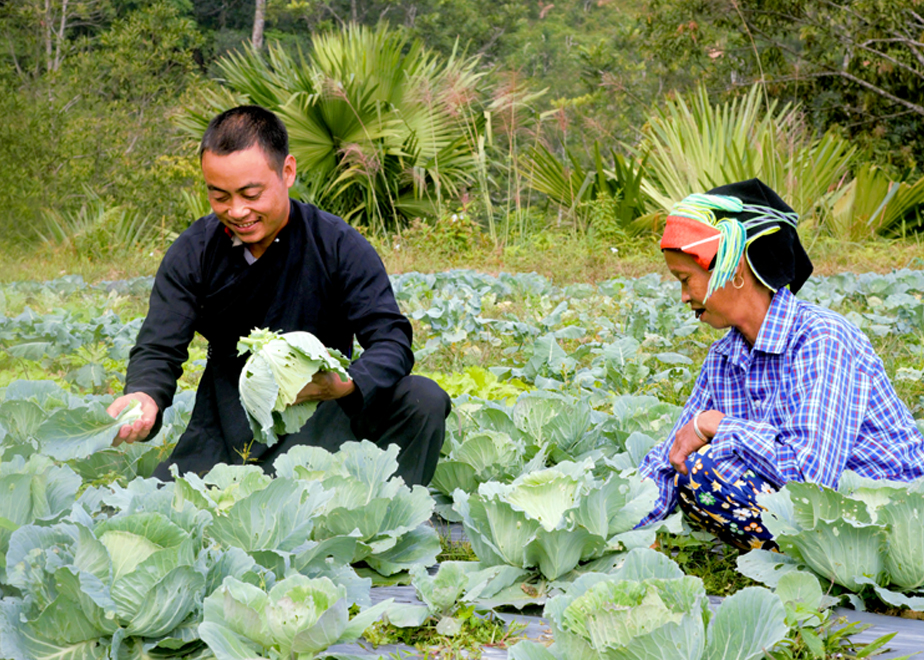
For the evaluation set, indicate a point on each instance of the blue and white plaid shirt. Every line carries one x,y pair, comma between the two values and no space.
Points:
810,400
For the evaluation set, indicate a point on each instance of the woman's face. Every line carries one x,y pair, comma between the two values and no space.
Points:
694,281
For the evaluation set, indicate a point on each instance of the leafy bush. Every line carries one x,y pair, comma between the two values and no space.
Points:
608,200
381,127
873,204
453,236
99,230
697,146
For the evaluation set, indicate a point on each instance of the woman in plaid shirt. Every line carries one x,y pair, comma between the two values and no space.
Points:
793,392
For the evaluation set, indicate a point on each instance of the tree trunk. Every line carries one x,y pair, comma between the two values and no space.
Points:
60,36
47,24
258,21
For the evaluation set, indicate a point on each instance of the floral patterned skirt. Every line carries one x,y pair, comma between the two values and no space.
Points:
725,507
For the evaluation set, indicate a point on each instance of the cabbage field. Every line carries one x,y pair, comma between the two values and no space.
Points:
559,391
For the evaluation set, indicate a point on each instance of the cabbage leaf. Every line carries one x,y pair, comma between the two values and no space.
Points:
867,533
279,367
647,608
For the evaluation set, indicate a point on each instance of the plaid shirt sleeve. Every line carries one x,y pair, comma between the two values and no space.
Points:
808,401
656,465
820,409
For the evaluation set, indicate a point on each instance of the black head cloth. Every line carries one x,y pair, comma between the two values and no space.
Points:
773,250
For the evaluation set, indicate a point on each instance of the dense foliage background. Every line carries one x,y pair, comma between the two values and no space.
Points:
517,116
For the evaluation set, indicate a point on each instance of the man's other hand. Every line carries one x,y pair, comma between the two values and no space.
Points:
140,429
325,386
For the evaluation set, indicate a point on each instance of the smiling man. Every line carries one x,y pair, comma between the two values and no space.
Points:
263,260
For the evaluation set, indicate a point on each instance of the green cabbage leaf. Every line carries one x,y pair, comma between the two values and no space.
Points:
41,417
97,589
279,367
298,617
867,533
550,522
388,520
647,608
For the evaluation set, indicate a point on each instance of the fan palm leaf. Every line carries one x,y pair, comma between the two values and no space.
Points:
871,203
373,118
696,146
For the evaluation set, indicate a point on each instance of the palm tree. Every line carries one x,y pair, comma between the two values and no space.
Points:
383,129
696,146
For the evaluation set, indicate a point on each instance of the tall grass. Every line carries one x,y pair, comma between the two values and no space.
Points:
99,230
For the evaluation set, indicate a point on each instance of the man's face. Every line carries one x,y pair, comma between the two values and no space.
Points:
247,194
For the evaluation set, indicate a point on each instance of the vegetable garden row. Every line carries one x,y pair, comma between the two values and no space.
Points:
558,394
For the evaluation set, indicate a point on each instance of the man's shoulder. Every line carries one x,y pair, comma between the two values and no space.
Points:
185,256
323,223
334,236
198,234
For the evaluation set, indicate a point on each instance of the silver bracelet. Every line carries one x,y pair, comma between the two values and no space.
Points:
699,434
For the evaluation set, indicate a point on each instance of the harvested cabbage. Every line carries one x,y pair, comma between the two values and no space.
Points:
278,369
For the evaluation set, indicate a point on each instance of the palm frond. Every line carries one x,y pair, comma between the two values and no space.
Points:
364,108
697,146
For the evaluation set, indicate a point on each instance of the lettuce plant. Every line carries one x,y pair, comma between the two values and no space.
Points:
868,533
298,618
649,609
279,367
548,522
388,520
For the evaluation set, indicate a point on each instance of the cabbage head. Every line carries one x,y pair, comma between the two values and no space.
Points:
866,533
648,609
278,369
34,491
388,520
456,586
299,618
549,522
91,589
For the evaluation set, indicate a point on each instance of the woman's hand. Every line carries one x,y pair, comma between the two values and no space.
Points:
325,386
686,442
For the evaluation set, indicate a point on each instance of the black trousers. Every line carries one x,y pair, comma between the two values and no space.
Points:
414,419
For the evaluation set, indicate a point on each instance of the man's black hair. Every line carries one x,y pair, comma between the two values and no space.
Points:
244,126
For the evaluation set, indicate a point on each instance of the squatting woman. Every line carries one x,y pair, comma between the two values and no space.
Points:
793,392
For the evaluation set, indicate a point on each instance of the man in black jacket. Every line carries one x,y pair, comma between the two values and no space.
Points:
262,260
